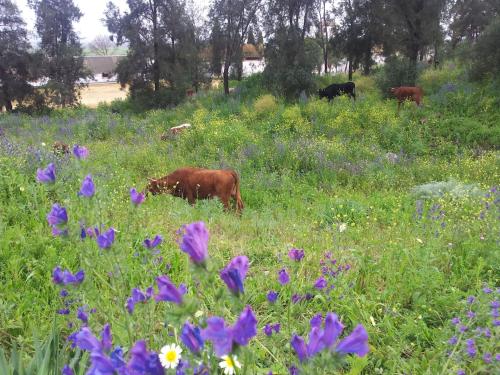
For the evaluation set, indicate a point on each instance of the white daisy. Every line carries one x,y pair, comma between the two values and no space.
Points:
228,364
170,355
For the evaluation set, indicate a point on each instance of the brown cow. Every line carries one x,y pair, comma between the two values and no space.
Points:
198,183
408,92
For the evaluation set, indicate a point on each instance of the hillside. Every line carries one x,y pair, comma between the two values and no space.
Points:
397,212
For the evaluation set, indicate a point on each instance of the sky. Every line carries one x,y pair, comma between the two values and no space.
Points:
90,24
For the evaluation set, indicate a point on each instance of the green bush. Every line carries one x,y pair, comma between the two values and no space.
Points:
265,104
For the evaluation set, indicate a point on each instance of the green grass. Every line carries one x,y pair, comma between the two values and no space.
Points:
305,169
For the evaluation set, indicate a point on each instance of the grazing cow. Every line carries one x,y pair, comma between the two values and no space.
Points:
337,89
198,183
60,148
180,128
408,92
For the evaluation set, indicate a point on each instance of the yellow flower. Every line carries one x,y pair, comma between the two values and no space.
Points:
170,355
228,364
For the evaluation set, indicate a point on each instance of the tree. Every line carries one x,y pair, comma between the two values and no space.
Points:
251,36
234,18
416,24
14,56
323,22
469,18
486,54
164,48
60,47
216,48
289,68
102,46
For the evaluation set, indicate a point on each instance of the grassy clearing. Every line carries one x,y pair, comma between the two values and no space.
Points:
329,178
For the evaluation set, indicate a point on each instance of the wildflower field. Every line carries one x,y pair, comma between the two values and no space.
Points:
369,242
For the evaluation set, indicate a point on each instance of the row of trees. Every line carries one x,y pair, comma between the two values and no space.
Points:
170,50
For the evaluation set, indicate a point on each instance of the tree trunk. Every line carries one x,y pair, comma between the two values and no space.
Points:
325,40
412,76
350,70
156,64
225,76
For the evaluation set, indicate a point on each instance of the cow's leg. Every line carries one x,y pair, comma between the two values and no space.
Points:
191,199
225,201
353,95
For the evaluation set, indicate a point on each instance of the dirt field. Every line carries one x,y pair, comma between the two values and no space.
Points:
102,92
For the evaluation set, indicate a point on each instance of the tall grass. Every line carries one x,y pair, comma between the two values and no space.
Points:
314,175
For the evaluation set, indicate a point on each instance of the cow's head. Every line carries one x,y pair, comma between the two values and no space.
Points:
393,90
159,186
321,93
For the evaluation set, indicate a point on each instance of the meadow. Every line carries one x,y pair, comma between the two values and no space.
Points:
398,214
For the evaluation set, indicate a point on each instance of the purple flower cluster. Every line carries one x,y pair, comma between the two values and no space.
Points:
88,187
105,361
138,297
269,328
151,244
195,242
47,175
60,277
191,337
105,239
475,327
224,337
327,338
136,198
234,274
57,217
167,291
296,254
80,152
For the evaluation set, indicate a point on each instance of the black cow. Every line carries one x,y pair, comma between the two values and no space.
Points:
337,89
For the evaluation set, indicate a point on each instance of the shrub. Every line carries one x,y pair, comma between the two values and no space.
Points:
265,104
396,72
486,54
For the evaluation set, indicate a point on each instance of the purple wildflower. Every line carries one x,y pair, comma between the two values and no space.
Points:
292,370
82,315
296,298
67,370
85,340
106,338
88,187
272,296
151,244
455,321
495,304
355,343
268,330
463,328
80,152
245,327
471,314
471,299
496,322
136,197
460,372
59,232
105,240
299,346
195,242
47,175
234,274
63,311
144,362
167,291
64,293
277,327
191,337
487,357
471,347
57,215
320,283
65,277
296,254
494,313
283,277
316,320
487,290
219,334
453,340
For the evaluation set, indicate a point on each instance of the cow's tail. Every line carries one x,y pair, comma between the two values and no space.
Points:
236,192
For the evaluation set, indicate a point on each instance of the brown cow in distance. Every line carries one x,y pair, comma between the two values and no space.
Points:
60,148
198,183
408,92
